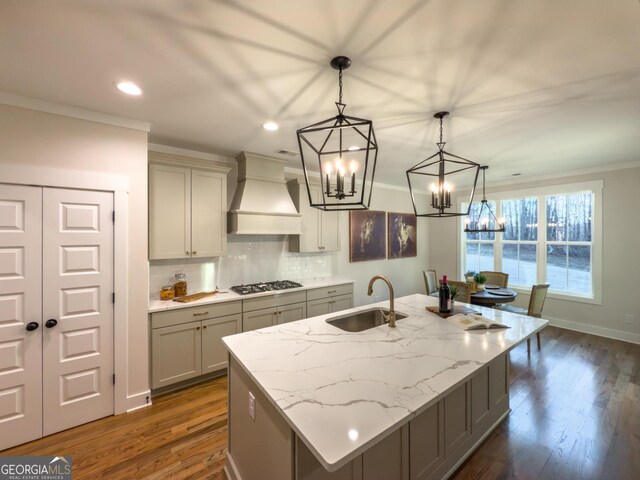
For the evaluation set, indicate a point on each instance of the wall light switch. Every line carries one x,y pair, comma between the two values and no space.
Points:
252,406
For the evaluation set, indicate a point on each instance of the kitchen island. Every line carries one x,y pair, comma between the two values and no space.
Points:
308,401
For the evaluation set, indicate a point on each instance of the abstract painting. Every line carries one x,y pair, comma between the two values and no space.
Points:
367,235
402,235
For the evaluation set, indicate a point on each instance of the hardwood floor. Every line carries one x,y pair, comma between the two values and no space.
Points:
575,414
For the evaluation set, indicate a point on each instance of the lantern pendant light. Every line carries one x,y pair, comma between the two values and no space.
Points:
485,218
339,144
445,168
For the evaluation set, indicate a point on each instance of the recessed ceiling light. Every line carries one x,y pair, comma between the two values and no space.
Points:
129,88
354,148
271,126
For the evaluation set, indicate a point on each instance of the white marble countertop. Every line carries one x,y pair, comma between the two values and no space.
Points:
341,392
157,305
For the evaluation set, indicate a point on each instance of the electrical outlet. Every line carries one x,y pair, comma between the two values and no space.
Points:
252,406
630,319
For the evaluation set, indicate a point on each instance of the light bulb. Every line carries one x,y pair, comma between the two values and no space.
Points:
434,188
327,168
353,166
339,164
467,221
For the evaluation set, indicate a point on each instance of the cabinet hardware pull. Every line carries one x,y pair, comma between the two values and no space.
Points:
199,314
187,252
332,291
52,322
194,252
197,328
204,326
31,326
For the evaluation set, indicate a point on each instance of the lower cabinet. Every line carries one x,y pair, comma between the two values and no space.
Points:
267,317
324,300
187,343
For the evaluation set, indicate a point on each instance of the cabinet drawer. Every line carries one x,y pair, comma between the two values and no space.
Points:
332,291
275,300
190,314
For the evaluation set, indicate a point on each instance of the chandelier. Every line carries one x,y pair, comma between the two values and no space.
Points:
444,168
486,221
345,150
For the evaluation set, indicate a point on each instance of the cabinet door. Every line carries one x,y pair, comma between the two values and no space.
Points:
319,307
309,238
169,212
343,302
208,214
214,353
175,353
291,313
259,319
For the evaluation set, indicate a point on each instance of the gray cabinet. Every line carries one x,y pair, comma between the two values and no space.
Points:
261,312
187,212
320,229
325,300
187,343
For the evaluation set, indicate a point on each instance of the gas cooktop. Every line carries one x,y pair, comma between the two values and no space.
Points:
265,287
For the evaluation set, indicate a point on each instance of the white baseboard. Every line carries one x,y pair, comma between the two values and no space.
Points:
594,330
138,401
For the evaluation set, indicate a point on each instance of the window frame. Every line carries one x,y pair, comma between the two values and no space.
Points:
541,193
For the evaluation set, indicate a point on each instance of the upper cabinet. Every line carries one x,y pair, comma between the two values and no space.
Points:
187,212
320,229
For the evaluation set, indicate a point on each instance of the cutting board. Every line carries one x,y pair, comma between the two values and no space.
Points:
195,296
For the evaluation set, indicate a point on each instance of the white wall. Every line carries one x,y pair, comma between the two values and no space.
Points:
33,138
621,260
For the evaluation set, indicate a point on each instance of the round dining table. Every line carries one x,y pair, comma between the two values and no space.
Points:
492,295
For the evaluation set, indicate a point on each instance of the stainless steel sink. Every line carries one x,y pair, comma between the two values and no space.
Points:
362,320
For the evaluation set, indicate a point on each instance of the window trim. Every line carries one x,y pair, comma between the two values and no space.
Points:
595,187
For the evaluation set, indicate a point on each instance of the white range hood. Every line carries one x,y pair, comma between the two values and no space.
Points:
261,204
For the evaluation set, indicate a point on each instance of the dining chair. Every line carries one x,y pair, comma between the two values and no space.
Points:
430,282
464,292
497,278
536,302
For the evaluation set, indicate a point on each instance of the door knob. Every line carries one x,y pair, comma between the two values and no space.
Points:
51,323
31,326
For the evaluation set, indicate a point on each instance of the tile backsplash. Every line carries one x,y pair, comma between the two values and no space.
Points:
249,259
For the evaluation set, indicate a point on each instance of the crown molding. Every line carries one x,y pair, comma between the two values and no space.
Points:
72,112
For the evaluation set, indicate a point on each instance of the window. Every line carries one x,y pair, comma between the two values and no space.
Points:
520,240
552,236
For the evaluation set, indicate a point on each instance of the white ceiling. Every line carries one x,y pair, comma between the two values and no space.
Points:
534,87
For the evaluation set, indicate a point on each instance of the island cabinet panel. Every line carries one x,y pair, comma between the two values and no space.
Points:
309,468
457,424
426,442
260,448
499,383
480,400
389,458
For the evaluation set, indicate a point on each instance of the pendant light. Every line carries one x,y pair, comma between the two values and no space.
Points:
485,218
444,169
346,150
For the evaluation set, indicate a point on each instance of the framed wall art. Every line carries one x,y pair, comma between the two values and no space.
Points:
403,235
367,235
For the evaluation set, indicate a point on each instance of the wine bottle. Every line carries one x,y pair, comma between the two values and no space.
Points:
444,295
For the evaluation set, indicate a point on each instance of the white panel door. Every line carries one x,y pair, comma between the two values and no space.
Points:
77,269
208,214
169,212
20,306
